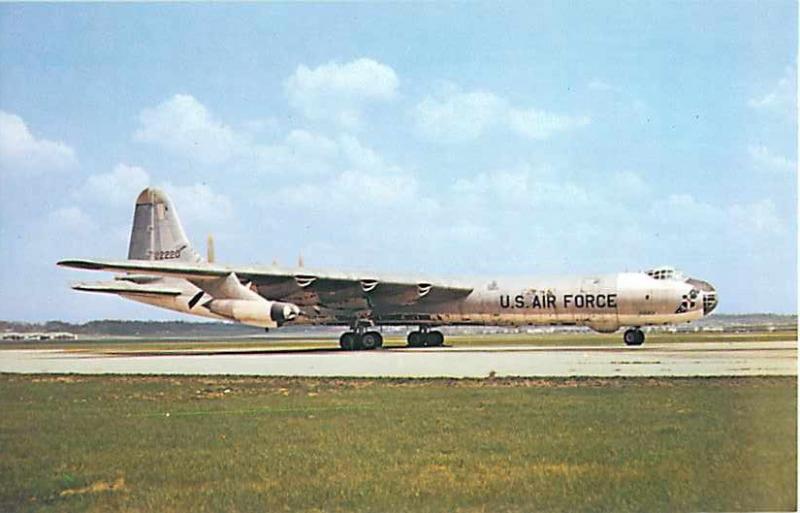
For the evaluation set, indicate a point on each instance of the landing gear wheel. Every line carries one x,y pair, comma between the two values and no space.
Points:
415,339
633,337
434,339
371,340
629,337
349,341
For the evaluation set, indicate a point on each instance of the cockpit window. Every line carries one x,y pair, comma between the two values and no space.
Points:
664,273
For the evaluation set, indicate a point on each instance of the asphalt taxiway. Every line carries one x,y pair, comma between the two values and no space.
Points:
741,358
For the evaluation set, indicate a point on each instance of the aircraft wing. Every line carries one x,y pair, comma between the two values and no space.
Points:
301,286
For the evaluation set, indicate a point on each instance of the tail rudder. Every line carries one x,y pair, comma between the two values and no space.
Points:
157,233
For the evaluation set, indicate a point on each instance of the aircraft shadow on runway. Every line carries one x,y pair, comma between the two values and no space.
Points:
242,352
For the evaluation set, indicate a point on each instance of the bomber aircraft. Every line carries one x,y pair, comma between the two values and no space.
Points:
164,270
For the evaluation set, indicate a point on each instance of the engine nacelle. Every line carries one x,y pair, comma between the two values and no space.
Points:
261,313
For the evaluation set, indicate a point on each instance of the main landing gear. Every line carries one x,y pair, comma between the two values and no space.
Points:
425,337
360,339
633,337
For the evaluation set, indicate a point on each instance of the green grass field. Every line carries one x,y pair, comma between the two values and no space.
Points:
162,444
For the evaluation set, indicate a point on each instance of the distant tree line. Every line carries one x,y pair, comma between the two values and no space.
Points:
133,328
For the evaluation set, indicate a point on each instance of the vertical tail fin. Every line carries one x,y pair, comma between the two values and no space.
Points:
157,233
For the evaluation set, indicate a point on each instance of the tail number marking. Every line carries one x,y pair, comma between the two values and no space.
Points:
170,254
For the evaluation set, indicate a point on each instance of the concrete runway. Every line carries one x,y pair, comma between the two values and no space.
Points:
672,359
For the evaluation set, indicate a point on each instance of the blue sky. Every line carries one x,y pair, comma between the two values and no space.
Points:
450,139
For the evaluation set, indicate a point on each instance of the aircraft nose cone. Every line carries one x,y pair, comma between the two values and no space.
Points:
708,293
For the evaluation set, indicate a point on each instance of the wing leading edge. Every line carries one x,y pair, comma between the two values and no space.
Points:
121,287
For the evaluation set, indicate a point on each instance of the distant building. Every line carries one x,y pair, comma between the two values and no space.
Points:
64,336
30,337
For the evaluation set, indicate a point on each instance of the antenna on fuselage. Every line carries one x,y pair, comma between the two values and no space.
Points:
210,256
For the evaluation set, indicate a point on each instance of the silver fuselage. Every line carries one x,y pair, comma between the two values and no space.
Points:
603,302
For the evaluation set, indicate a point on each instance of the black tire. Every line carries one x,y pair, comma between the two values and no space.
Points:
434,339
633,337
371,340
415,339
348,341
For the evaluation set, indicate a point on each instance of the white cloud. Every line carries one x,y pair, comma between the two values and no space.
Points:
302,142
70,219
501,186
338,91
684,208
456,116
538,124
782,97
300,153
601,85
261,126
395,188
765,160
459,116
198,203
520,187
183,125
364,158
116,188
179,123
705,221
468,231
20,151
627,183
363,177
758,218
304,153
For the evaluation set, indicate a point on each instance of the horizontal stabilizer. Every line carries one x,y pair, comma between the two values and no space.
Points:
159,268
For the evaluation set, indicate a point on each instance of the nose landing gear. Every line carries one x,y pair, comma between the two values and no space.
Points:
633,337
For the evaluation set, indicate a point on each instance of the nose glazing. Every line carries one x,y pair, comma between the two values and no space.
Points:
708,292
709,301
